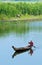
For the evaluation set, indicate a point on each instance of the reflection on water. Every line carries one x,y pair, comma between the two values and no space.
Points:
19,27
19,34
17,53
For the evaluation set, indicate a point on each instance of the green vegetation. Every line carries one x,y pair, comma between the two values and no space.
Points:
19,10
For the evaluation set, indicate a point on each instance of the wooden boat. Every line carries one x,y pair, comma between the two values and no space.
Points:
21,48
24,48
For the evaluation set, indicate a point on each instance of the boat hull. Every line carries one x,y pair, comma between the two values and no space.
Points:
21,49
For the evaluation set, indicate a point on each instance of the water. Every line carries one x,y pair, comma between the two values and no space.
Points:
22,34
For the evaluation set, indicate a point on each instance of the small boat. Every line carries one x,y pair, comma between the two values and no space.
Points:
29,47
21,48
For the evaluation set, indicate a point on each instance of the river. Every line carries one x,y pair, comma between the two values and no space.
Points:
22,33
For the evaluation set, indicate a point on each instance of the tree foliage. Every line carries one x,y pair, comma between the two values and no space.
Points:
12,9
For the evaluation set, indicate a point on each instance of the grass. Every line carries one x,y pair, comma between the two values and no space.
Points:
31,17
22,17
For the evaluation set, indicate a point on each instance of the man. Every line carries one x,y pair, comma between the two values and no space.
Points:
31,44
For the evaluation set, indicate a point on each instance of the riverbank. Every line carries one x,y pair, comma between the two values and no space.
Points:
20,11
22,18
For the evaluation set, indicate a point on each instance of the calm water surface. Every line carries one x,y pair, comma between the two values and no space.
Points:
32,31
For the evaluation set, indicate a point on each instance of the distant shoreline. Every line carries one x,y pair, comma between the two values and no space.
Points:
23,18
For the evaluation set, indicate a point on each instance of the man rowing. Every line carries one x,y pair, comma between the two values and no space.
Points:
29,48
